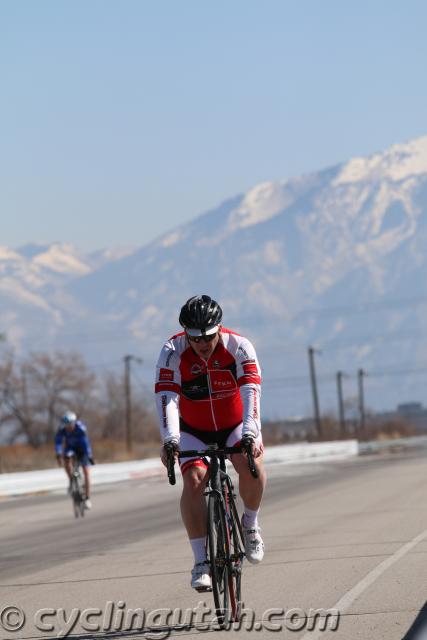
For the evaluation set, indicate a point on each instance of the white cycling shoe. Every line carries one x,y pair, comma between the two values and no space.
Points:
254,545
200,577
88,504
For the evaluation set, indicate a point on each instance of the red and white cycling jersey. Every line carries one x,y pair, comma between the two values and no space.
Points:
213,395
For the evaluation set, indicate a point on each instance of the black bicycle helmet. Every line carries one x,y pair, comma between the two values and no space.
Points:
200,315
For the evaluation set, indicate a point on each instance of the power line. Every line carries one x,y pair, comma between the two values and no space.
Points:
311,352
352,342
397,372
127,384
371,340
361,399
340,375
331,377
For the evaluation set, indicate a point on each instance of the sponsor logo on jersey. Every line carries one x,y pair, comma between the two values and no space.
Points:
216,364
164,414
166,374
196,369
255,405
243,352
222,380
221,395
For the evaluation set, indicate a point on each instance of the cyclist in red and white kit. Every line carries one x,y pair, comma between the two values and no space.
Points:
208,386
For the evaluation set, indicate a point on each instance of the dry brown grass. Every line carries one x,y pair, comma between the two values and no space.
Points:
21,457
397,428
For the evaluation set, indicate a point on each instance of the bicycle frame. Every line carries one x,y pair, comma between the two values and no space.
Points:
77,492
225,543
222,487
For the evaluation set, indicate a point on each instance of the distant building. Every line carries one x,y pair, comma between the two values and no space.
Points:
412,413
410,408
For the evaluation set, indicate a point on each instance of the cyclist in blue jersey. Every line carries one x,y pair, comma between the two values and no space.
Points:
72,440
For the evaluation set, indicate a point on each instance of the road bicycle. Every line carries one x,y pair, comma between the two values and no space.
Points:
77,490
225,546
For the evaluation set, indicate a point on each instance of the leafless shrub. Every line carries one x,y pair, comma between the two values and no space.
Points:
36,392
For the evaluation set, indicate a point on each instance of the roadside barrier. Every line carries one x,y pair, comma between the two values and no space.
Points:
47,480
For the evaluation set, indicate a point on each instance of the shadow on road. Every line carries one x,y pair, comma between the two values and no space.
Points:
418,630
147,633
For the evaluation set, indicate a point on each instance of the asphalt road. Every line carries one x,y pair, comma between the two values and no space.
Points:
350,537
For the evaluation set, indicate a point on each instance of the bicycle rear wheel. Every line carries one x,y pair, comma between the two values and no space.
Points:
218,550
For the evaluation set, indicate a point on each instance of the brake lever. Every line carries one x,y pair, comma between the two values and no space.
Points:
247,443
170,462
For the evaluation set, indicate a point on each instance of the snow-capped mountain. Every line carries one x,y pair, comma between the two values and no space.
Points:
335,259
30,278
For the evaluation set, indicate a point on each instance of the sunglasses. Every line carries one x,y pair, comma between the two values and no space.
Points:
198,339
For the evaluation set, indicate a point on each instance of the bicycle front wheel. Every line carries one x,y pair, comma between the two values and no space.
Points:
74,491
81,497
235,544
218,549
77,495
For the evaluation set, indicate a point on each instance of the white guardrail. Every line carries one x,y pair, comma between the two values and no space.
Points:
30,482
376,446
33,482
310,452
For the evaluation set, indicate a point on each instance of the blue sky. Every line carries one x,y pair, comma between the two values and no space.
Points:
122,119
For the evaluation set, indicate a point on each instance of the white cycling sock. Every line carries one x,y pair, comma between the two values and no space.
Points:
198,546
250,518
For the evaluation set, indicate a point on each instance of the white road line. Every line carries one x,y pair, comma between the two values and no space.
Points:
347,600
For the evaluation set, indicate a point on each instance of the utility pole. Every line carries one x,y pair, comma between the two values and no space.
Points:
360,375
340,402
128,400
311,352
